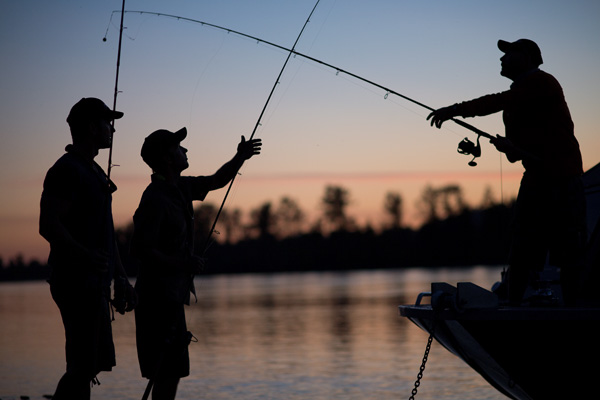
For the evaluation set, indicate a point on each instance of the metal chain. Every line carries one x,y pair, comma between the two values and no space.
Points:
422,368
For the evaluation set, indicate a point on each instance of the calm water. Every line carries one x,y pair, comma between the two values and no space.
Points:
284,336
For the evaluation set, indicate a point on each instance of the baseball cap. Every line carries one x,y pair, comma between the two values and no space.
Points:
525,45
158,142
90,109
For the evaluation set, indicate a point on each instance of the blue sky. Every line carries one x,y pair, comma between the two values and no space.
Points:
318,129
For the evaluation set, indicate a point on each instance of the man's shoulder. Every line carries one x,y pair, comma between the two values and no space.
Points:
537,83
159,194
543,77
71,161
65,159
67,166
155,190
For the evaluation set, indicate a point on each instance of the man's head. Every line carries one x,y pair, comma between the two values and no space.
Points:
162,150
90,120
519,57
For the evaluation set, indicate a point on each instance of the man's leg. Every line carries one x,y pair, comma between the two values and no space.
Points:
165,389
529,244
570,237
82,312
73,387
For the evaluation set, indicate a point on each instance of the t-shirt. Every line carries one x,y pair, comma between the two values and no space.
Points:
87,189
164,221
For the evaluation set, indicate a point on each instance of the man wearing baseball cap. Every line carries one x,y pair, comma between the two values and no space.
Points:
163,242
76,219
550,210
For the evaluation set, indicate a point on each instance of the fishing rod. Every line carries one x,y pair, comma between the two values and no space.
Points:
466,146
290,52
112,134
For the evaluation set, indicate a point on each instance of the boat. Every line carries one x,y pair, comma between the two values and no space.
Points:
541,350
524,352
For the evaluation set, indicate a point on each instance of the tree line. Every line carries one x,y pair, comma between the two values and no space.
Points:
280,237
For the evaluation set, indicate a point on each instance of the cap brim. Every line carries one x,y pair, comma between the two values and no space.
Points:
181,134
504,46
115,115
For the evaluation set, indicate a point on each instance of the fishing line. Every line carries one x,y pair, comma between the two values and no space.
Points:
282,95
208,64
322,25
290,81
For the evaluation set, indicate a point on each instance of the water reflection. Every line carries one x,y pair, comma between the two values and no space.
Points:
284,336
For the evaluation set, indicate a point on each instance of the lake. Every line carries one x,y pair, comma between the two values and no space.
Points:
320,335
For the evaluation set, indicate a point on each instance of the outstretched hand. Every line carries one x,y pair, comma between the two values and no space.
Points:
440,115
247,149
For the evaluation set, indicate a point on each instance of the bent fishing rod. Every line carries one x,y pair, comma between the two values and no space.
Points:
466,146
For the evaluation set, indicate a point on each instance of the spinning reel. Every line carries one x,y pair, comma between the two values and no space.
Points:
471,149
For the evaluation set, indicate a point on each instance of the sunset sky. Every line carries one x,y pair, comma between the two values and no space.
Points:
320,128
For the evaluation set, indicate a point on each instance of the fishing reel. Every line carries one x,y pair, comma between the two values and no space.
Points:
471,149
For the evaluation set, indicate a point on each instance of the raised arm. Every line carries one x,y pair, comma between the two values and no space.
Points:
245,150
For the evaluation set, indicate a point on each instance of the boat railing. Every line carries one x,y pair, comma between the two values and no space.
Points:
420,297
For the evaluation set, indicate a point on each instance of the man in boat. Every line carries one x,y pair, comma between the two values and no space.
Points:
550,209
76,219
163,242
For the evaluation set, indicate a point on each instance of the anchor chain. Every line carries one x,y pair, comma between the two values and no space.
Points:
422,367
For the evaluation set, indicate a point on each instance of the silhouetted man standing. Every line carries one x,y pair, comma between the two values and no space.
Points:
76,219
550,210
163,242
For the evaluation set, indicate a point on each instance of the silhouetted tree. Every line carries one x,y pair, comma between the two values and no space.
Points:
427,205
488,200
288,218
440,203
263,221
393,207
18,262
17,269
452,200
334,202
231,221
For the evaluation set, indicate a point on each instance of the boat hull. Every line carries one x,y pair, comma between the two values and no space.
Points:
525,353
